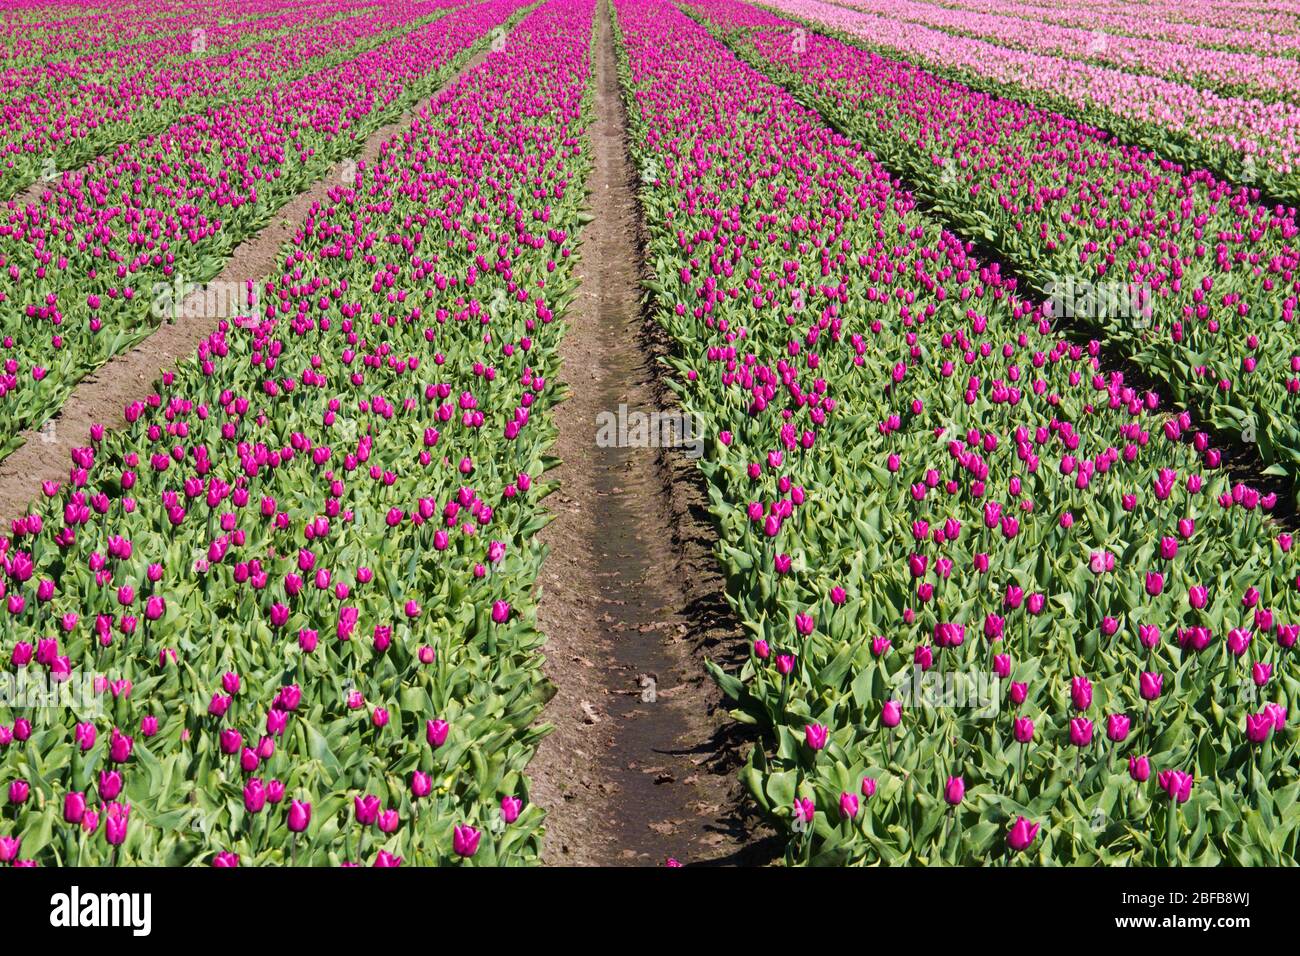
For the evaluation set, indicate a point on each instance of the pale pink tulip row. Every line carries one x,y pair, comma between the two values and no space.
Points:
1237,26
1268,76
1267,133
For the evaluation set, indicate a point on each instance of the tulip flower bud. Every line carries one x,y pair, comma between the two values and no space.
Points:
110,784
1259,727
436,731
1021,835
1081,731
510,808
1176,783
464,840
891,714
1081,693
254,795
1150,684
815,736
1117,727
116,818
74,807
421,784
299,816
1002,666
848,805
1023,729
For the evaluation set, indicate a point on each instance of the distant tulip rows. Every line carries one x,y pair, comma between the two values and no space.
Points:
302,573
65,125
1250,138
82,272
72,63
999,609
1203,22
33,33
1208,277
77,60
1228,72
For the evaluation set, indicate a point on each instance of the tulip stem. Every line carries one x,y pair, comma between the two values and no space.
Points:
1171,832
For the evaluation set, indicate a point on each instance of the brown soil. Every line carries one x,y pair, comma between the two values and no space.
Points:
642,763
103,394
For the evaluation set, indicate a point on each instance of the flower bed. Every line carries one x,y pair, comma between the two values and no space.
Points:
299,582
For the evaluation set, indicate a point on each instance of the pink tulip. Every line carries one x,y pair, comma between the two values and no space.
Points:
510,808
465,839
299,816
1021,835
891,714
1176,784
815,736
1117,727
436,731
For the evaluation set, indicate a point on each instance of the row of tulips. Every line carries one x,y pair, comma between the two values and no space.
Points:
34,31
1206,278
1245,138
103,257
999,609
1213,25
124,54
60,126
299,580
1226,72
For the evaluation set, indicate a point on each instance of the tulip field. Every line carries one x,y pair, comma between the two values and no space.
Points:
306,562
1012,573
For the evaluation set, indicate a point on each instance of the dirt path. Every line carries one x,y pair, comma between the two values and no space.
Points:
642,764
102,395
